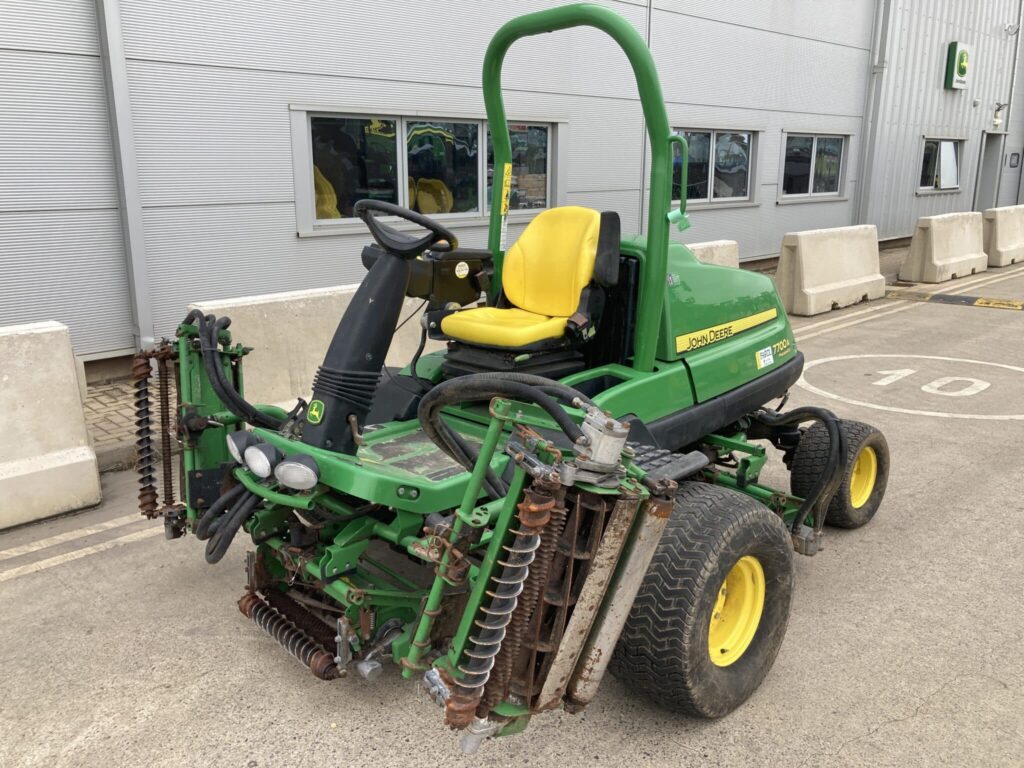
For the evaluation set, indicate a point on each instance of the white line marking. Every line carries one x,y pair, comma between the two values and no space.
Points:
78,533
874,313
50,562
803,383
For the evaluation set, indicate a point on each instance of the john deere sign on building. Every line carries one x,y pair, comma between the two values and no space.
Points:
958,60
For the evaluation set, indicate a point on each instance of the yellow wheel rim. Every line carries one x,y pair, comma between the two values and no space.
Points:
863,477
737,612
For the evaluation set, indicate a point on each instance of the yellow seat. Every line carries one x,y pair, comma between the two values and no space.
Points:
543,277
495,327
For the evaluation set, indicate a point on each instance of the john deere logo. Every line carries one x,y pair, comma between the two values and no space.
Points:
315,414
961,64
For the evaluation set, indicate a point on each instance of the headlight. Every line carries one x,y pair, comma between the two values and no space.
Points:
298,472
238,442
261,459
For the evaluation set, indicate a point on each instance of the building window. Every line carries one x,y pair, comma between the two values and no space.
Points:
353,158
530,151
442,169
813,165
940,166
718,167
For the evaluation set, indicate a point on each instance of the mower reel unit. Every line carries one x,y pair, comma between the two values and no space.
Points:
571,486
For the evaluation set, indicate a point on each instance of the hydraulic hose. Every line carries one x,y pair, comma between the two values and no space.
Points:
218,544
215,371
484,386
828,483
205,528
209,331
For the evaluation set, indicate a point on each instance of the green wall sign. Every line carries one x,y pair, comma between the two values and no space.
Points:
958,61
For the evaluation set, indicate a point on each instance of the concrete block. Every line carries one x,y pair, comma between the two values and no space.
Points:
724,253
945,247
46,463
1004,235
823,269
290,332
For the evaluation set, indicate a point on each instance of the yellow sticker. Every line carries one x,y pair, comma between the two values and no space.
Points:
506,188
690,341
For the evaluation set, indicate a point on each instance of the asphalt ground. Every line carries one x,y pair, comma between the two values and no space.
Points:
904,647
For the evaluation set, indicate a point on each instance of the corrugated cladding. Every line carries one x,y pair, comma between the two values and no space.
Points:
211,85
62,254
914,104
1010,177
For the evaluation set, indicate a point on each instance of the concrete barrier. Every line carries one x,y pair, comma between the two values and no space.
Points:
822,269
1004,235
46,463
724,253
289,333
945,247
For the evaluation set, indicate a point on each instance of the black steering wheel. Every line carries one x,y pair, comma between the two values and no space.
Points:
403,244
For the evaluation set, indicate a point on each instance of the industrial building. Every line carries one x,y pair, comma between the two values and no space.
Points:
157,153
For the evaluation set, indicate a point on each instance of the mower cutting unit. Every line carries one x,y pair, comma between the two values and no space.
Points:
571,486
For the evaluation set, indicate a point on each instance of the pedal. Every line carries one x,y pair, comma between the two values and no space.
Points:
662,464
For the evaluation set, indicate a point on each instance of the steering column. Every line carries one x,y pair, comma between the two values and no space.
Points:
346,382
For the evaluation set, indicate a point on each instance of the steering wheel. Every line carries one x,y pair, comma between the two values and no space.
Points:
403,244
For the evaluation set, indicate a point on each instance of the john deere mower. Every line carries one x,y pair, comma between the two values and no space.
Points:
571,486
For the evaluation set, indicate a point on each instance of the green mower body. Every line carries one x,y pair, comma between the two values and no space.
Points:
494,539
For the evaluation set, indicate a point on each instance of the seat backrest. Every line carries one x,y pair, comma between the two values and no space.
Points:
552,261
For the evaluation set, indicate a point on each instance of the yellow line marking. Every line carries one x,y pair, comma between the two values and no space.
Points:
50,562
999,303
715,333
60,538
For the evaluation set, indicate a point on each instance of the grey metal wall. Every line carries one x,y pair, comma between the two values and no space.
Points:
61,255
211,85
1010,177
769,66
912,103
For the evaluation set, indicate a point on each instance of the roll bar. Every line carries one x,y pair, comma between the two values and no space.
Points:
659,214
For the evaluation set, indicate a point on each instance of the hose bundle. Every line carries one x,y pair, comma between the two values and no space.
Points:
478,387
218,528
817,501
209,333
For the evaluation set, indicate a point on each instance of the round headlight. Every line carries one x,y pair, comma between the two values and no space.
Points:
238,442
298,472
261,459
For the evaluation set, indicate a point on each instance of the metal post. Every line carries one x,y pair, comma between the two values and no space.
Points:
122,139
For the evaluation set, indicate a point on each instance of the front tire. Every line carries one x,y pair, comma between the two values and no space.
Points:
712,611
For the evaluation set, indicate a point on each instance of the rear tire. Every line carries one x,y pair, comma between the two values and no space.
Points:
865,476
666,648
